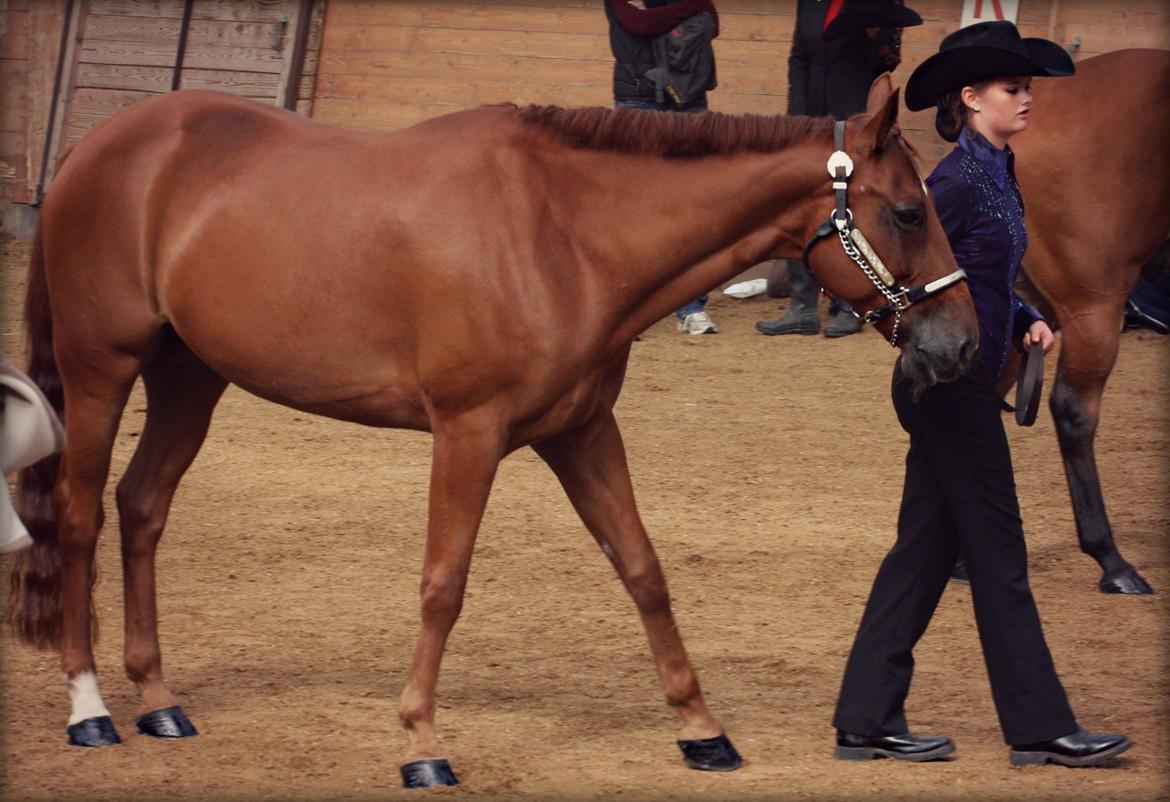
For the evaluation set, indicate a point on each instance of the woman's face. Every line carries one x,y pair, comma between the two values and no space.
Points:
999,108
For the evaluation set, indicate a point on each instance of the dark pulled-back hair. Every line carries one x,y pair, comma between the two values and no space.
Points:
951,115
952,112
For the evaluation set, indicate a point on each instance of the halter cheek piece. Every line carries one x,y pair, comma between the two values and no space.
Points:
857,247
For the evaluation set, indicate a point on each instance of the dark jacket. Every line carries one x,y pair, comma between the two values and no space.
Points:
833,78
980,208
630,33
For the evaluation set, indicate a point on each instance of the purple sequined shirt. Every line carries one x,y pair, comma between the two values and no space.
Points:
980,207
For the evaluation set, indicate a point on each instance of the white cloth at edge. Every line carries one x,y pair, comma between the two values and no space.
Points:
29,432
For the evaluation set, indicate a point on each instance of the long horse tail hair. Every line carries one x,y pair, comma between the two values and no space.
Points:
34,603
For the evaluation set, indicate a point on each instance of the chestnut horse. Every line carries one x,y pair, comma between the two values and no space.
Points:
480,276
1094,170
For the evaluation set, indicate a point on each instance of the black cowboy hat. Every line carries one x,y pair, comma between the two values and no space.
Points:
981,52
860,14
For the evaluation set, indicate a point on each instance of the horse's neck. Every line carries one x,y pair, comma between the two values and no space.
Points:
669,230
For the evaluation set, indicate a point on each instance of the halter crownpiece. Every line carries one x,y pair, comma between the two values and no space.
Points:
857,247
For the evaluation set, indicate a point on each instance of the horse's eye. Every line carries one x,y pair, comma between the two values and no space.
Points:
909,218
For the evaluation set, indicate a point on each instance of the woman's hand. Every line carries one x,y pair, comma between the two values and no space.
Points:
1039,332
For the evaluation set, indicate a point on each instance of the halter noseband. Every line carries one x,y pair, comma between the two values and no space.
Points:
857,247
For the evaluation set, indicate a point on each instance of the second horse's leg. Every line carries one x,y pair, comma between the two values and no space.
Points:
1087,355
590,463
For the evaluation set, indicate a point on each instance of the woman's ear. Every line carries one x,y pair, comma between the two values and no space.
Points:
970,98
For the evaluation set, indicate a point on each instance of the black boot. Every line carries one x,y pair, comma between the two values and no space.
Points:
801,316
844,322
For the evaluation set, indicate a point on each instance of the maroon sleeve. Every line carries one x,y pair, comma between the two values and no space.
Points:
654,21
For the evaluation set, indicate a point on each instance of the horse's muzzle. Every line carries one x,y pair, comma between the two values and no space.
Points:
928,360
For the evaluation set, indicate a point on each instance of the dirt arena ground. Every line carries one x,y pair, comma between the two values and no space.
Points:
768,472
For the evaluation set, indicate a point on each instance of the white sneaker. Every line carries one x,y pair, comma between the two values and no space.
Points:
697,323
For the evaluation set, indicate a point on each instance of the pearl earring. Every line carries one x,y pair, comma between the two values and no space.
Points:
976,108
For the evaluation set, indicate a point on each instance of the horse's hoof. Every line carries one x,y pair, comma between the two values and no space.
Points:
1129,582
96,731
170,722
711,754
427,774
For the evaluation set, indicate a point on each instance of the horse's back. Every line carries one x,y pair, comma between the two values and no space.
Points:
1094,167
324,268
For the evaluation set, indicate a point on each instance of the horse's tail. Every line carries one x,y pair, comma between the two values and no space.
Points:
34,604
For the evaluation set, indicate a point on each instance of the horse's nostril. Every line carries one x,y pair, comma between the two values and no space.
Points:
966,351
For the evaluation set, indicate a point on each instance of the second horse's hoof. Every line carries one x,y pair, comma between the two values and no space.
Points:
711,754
170,722
96,731
1129,582
427,774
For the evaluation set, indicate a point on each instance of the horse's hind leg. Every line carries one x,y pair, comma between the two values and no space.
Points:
181,394
94,399
1087,355
590,463
467,452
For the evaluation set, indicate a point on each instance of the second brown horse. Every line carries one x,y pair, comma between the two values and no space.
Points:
1094,168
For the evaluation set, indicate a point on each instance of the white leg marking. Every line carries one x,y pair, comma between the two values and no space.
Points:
87,702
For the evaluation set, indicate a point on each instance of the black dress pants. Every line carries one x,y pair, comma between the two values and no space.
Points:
959,492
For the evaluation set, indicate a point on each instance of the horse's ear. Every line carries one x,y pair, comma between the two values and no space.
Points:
882,107
879,92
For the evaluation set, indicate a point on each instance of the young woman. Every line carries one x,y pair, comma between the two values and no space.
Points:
959,491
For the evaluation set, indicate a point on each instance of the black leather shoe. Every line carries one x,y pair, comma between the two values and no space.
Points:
907,746
1079,749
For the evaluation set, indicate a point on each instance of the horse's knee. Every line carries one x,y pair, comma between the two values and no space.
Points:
442,596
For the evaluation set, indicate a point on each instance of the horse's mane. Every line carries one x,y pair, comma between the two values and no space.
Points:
672,134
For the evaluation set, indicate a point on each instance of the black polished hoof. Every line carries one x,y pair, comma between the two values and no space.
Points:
427,774
1128,582
96,731
711,754
170,722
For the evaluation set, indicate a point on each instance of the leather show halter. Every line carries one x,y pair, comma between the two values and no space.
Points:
857,247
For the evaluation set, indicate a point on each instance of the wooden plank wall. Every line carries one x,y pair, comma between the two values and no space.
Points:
128,50
14,77
30,34
386,65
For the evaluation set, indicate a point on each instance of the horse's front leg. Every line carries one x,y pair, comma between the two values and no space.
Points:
1087,355
466,455
590,463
